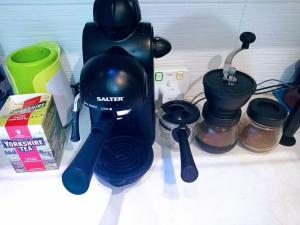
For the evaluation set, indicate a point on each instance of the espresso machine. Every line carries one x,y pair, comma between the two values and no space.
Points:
117,86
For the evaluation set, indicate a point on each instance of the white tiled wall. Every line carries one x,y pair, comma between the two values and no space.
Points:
202,32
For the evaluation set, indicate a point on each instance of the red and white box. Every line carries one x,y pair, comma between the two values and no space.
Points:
31,133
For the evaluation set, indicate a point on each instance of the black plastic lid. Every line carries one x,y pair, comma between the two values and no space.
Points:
213,80
118,18
180,112
267,112
220,119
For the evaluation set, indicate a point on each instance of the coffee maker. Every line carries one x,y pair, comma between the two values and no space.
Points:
117,86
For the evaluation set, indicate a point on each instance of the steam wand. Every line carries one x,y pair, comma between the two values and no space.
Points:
75,136
229,71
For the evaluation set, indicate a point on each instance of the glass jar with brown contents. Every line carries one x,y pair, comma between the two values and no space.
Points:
215,138
217,133
260,129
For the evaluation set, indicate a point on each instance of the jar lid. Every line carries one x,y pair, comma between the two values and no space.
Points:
266,112
220,119
180,112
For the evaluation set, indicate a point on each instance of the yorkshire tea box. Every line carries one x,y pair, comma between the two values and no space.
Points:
31,134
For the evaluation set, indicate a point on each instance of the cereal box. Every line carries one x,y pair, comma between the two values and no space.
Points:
31,134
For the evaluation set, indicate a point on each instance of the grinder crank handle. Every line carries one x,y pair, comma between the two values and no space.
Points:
189,171
77,176
229,71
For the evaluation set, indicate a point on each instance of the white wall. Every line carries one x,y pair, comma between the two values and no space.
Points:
202,32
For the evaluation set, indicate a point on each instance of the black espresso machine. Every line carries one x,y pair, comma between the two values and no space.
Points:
117,85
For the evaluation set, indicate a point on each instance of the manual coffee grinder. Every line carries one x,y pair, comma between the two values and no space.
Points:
117,85
226,91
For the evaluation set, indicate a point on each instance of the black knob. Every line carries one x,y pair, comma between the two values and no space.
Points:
117,18
247,38
161,47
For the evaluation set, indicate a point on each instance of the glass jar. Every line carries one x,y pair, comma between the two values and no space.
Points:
261,127
216,139
217,133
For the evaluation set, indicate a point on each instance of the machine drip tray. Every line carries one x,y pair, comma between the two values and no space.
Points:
123,161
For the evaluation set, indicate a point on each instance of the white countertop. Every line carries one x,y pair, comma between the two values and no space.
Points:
236,188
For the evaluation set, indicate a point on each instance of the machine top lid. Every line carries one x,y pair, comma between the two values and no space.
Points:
118,18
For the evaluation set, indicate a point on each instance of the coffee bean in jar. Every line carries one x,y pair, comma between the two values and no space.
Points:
261,126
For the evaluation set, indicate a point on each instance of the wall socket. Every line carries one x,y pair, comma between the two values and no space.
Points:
170,83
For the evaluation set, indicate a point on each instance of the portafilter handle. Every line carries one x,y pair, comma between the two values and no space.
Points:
189,171
77,176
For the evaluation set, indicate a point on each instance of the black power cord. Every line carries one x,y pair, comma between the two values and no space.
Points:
275,89
201,99
271,86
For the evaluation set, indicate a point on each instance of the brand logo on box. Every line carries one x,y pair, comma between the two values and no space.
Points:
24,145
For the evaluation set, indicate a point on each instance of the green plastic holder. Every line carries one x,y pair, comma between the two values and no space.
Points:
30,68
37,69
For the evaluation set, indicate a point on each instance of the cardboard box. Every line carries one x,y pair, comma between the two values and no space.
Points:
31,133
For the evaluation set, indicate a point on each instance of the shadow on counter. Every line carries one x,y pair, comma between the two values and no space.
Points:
112,212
